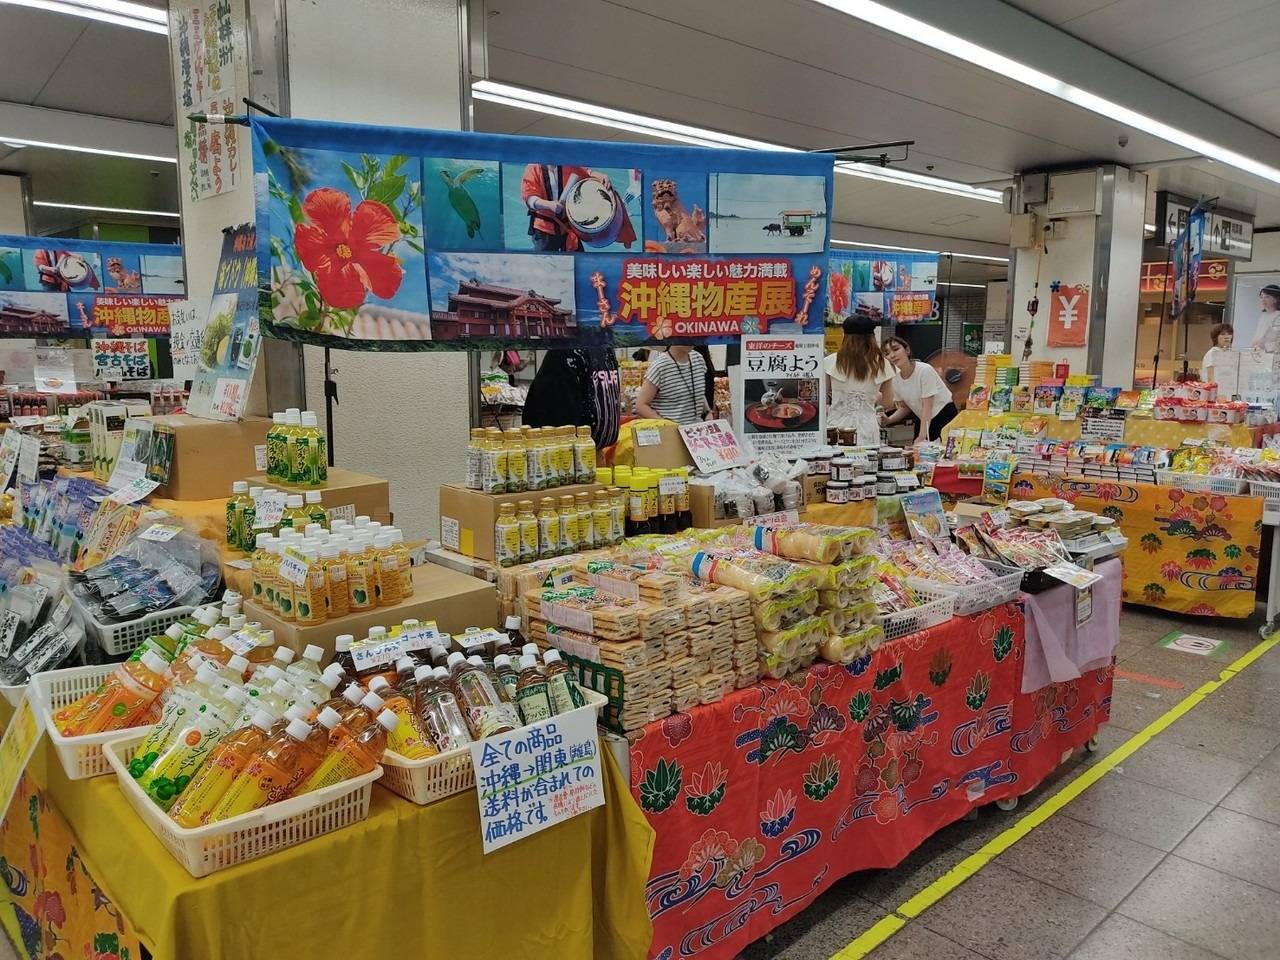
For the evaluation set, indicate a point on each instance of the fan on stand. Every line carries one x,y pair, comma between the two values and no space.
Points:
957,370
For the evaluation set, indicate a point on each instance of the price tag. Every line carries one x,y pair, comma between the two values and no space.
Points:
647,436
779,518
161,532
368,655
294,567
241,642
345,512
134,490
229,397
26,423
29,459
240,564
260,457
450,533
1084,606
1078,577
9,448
423,638
1114,536
269,510
670,486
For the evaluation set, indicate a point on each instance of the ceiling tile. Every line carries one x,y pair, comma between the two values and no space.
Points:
136,63
32,44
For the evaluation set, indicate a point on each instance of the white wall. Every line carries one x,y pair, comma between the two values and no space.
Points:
13,212
1067,259
401,416
1129,200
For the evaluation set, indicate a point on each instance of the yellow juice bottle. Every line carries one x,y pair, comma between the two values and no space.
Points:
601,519
586,522
266,777
316,510
360,574
617,514
259,564
286,592
584,456
240,514
405,556
534,480
569,536
548,528
295,516
390,587
335,572
475,458
564,447
506,537
517,462
409,738
527,521
351,753
226,761
311,599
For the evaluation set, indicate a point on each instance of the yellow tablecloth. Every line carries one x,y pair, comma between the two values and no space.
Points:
1142,431
860,514
1194,553
410,880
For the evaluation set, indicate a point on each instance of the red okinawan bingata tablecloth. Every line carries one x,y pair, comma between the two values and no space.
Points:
763,800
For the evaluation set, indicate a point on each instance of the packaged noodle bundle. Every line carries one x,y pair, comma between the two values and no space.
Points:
819,543
861,614
778,612
833,618
721,603
621,580
847,647
759,574
585,610
790,641
836,599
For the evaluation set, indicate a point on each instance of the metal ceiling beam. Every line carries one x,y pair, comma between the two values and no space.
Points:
20,121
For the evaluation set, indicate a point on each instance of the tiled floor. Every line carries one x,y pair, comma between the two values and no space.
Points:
1173,855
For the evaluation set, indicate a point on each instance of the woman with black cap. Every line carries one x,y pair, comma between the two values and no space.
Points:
857,376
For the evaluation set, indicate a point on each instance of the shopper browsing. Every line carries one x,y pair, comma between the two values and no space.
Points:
673,387
580,387
1220,337
857,375
919,392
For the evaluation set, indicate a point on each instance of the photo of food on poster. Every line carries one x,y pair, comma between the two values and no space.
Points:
442,240
231,344
892,286
783,409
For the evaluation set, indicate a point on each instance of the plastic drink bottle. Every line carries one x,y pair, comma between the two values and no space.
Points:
474,458
317,691
405,557
178,703
352,755
225,762
275,447
337,600
282,657
435,703
125,694
562,688
586,522
569,536
307,667
601,519
311,462
529,650
410,738
507,676
404,681
548,528
342,653
517,462
284,589
483,709
360,574
316,509
346,702
531,693
506,536
240,514
187,751
390,586
266,777
291,430
313,595
584,456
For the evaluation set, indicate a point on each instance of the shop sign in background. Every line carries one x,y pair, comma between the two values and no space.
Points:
53,286
408,240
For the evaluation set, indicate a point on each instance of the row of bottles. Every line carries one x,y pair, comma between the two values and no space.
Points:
576,522
243,508
296,449
314,575
529,458
657,501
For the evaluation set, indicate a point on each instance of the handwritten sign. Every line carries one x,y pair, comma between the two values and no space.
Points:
9,448
647,436
1103,426
294,567
712,445
269,510
121,359
186,337
19,743
368,655
229,397
537,776
29,459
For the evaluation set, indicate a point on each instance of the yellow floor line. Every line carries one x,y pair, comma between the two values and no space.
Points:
911,908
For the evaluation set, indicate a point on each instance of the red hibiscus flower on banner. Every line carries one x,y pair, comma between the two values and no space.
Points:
344,250
838,289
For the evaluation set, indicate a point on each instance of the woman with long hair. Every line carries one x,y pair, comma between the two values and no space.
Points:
856,377
1267,337
919,391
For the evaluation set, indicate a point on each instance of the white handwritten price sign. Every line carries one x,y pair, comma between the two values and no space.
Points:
29,459
294,567
537,776
9,448
713,445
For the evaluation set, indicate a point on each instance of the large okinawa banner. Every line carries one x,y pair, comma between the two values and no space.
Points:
380,238
56,287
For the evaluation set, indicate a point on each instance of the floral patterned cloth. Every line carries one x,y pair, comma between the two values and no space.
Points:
763,800
61,913
1194,553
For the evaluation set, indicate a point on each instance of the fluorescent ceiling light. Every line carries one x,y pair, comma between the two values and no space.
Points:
83,206
886,18
976,256
523,98
941,253
118,12
74,148
1149,227
975,286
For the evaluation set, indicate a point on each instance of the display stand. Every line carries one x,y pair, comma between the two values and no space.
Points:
1141,431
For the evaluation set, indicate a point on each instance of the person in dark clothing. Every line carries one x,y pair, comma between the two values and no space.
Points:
709,378
579,387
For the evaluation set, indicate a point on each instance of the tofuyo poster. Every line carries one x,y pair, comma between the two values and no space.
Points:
380,238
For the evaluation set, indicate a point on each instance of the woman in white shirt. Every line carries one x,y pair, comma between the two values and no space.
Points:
919,391
1220,337
857,375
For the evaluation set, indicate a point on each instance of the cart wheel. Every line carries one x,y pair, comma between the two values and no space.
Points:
1092,744
1007,804
1266,630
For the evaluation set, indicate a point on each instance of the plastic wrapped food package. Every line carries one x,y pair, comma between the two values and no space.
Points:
847,647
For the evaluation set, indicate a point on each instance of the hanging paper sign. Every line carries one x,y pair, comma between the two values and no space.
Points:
55,370
474,241
537,776
229,353
20,738
121,359
1068,315
207,50
186,337
783,401
712,445
29,459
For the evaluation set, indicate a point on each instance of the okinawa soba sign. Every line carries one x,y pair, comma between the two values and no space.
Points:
379,238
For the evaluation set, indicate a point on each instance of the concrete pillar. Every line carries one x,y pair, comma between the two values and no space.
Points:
1079,227
13,204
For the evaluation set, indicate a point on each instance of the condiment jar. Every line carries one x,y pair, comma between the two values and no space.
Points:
837,492
841,469
886,484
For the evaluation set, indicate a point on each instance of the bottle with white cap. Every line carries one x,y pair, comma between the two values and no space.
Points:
269,776
436,705
405,558
352,755
484,709
308,667
389,587
532,696
315,507
562,688
280,659
290,432
240,514
295,516
311,458
277,448
342,653
225,762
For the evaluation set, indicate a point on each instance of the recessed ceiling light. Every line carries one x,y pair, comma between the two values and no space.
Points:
941,253
523,98
93,209
886,18
17,142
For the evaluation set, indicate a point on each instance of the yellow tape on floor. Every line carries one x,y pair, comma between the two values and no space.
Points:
911,908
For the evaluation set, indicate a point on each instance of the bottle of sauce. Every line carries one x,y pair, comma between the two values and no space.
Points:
637,515
667,520
684,512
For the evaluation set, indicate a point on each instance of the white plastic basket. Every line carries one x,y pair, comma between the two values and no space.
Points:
121,639
1269,491
983,595
204,850
1201,483
81,757
938,608
446,774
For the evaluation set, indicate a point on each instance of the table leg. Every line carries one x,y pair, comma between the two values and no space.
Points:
1273,579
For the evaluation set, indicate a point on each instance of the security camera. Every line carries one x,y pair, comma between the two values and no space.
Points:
1123,141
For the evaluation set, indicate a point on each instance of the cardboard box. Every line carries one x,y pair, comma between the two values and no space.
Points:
968,511
345,494
702,504
453,600
210,455
814,488
467,516
669,453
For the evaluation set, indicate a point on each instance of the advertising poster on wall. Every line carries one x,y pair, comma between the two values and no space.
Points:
1255,315
228,354
1068,315
53,286
206,41
783,408
890,285
420,240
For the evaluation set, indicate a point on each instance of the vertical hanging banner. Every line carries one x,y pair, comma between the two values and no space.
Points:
782,409
228,353
377,238
1068,315
1187,249
890,285
205,37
